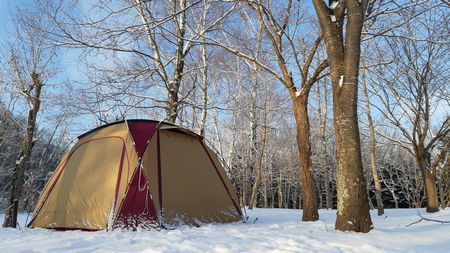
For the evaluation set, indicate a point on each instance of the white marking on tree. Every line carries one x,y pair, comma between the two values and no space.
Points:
341,81
333,18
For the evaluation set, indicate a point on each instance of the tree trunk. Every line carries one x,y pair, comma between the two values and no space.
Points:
280,191
245,187
431,190
254,166
255,188
260,156
394,197
369,198
323,121
441,190
307,182
343,58
24,155
174,85
429,178
265,194
353,209
204,90
373,162
172,101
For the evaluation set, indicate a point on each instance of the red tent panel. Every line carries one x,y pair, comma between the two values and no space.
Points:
142,132
137,208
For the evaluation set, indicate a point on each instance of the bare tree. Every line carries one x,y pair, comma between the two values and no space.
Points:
323,111
412,90
260,151
145,45
372,148
275,21
29,63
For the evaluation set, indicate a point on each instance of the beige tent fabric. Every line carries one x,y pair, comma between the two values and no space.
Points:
231,188
192,191
92,169
150,166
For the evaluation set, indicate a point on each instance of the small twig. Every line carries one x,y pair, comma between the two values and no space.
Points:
427,219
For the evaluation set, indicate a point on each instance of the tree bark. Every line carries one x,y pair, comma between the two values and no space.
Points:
429,178
24,155
307,182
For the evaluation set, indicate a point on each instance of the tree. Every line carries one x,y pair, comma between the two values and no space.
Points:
146,45
280,23
29,64
323,111
343,50
412,88
373,160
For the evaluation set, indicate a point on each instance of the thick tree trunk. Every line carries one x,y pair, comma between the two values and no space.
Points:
307,182
429,178
24,155
353,209
343,57
430,190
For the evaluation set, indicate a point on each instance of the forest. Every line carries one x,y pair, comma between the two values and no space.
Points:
340,104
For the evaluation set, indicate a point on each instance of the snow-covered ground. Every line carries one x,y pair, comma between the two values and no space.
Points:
275,230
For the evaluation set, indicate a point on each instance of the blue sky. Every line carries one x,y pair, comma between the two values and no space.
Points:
5,17
47,112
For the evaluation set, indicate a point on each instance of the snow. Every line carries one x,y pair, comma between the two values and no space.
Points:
334,4
275,230
333,18
18,161
297,93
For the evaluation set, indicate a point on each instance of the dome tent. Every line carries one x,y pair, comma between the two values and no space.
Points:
136,174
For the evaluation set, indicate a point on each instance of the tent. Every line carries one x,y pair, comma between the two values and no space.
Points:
137,174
